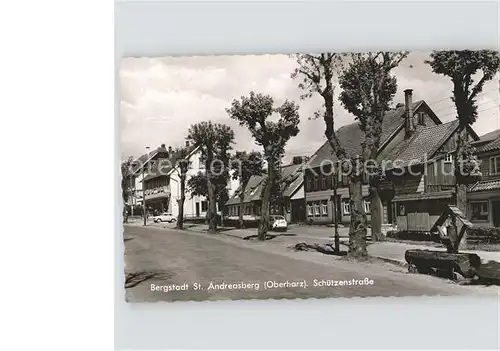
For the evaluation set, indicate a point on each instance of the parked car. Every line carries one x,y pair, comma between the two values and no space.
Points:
164,217
278,223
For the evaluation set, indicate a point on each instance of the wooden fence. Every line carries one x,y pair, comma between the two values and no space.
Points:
416,222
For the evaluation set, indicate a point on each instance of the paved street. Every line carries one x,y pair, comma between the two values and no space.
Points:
170,259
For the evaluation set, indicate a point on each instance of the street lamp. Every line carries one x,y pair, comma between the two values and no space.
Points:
144,186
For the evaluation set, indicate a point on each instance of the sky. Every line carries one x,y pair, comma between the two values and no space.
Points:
161,97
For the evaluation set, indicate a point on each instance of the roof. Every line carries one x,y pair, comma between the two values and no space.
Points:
453,211
422,145
167,164
139,162
485,185
294,185
423,196
351,136
291,175
490,136
252,187
489,145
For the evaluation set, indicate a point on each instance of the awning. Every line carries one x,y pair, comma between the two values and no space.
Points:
423,196
485,185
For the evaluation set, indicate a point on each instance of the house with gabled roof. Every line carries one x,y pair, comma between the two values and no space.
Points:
161,181
157,173
291,203
138,167
399,125
421,176
483,197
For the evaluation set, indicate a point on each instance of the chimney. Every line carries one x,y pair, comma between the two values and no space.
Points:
187,143
409,125
162,146
170,149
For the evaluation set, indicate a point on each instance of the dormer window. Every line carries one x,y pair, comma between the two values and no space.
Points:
448,158
421,118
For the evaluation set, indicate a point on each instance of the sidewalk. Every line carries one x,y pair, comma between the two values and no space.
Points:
395,252
387,251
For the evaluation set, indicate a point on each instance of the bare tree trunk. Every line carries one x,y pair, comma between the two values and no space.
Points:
335,214
264,215
376,212
212,208
462,206
180,217
125,214
460,187
357,230
242,198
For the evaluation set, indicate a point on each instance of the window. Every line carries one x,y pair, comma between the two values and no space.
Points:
479,211
346,207
323,182
309,209
329,180
309,184
402,210
448,158
204,206
316,209
315,186
367,206
201,161
324,208
495,165
421,118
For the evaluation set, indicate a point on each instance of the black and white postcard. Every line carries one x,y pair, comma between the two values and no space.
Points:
310,175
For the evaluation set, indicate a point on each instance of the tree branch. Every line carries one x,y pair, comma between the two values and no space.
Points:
478,87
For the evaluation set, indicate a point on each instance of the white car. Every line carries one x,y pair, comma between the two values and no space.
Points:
278,223
164,217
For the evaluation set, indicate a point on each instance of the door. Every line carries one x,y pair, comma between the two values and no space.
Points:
496,213
389,213
197,209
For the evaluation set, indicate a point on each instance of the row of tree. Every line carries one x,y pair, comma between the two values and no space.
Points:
256,112
368,88
214,141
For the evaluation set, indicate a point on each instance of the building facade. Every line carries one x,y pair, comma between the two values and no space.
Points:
399,125
162,185
290,202
483,197
156,177
425,181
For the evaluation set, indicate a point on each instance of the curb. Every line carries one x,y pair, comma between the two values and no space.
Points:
392,261
236,236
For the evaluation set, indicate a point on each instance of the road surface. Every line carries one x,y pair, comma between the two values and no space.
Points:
170,265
